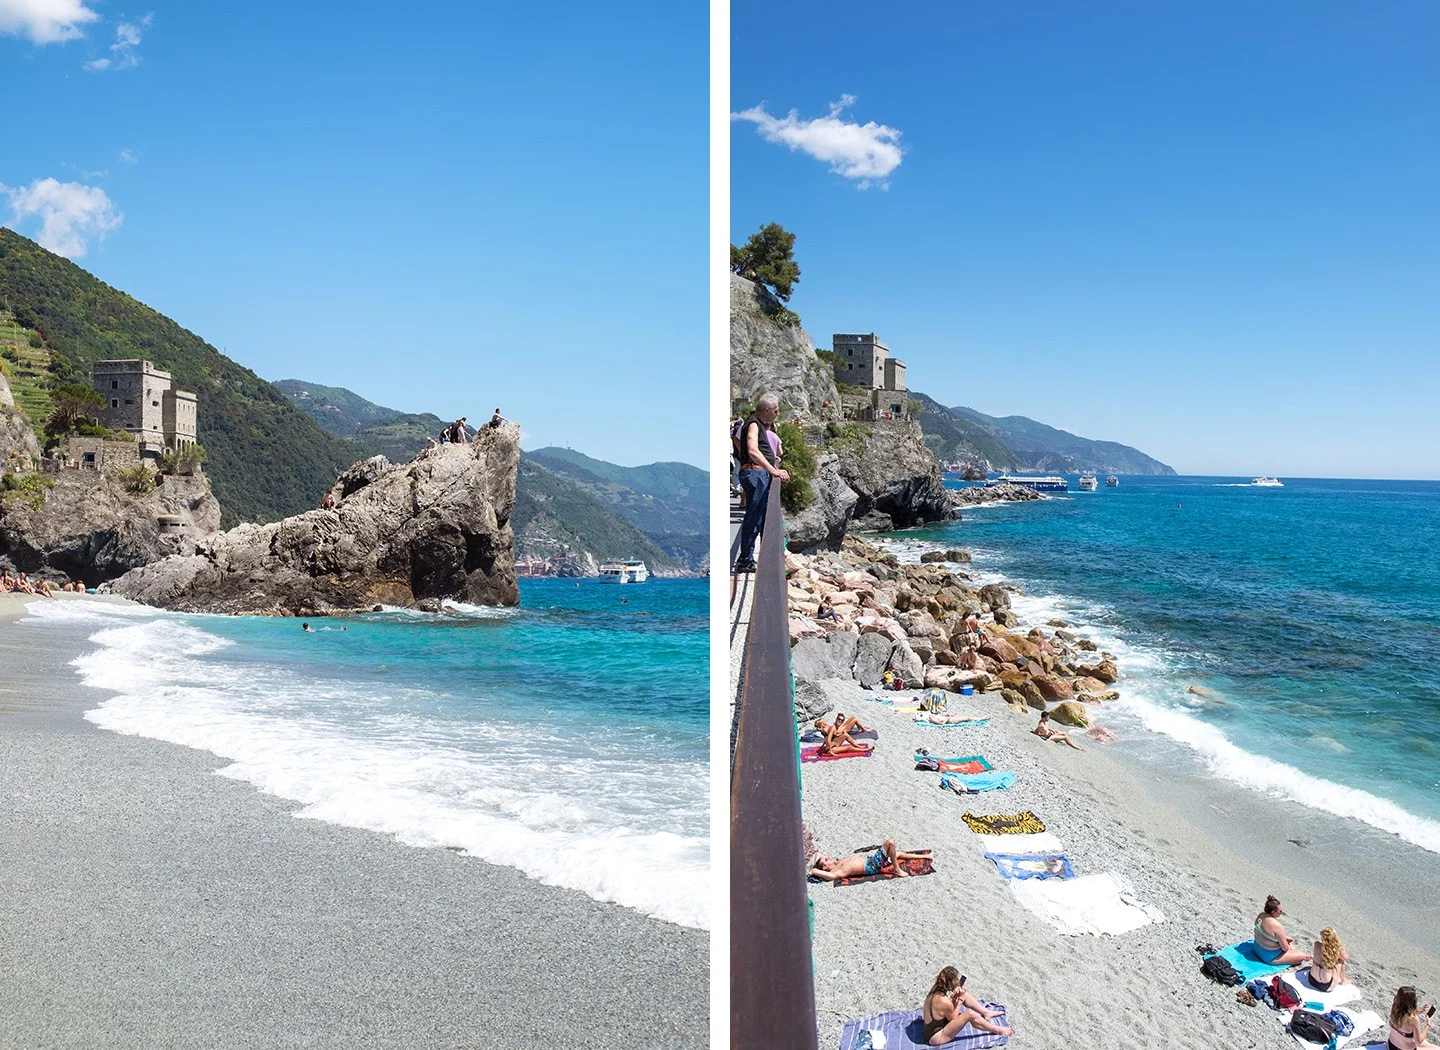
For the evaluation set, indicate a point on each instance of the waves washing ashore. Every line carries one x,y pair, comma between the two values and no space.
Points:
1159,720
398,727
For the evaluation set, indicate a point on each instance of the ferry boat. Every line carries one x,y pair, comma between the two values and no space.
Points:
1089,483
624,572
1045,483
1268,483
1112,482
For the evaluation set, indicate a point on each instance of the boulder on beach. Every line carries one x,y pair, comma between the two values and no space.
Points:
952,678
436,527
906,664
1053,689
1071,713
1105,671
1086,684
999,648
872,659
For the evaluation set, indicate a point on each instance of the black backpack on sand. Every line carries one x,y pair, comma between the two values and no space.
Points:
1313,1027
1219,970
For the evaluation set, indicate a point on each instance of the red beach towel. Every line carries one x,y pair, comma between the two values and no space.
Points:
812,754
921,866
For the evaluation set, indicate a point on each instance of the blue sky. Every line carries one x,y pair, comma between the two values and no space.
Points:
443,209
1211,231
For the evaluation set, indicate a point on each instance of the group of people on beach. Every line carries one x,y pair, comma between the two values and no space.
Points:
1410,1019
23,584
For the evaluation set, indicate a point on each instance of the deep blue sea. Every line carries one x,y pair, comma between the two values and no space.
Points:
568,737
1306,617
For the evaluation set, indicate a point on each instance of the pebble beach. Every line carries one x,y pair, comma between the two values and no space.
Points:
1198,853
148,902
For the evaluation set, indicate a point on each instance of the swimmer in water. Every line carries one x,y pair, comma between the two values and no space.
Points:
307,628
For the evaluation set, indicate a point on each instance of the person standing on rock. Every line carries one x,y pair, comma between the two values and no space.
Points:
757,471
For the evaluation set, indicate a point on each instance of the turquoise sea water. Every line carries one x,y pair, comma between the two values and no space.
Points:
567,737
1309,616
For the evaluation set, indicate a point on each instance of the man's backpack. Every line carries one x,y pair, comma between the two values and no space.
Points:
737,449
1312,1027
1285,997
1219,970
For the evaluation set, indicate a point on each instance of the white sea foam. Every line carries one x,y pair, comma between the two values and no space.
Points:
592,814
1145,696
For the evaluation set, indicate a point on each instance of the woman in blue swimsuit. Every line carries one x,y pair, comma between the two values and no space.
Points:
1271,943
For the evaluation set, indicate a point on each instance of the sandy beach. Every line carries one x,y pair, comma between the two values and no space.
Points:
1203,852
148,902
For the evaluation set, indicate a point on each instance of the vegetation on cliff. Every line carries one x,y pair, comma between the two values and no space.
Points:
265,459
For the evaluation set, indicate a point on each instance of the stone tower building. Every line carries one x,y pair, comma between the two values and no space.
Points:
862,360
141,399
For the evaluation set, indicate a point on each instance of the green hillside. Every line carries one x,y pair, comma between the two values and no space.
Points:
265,458
658,497
395,435
954,437
1043,447
550,509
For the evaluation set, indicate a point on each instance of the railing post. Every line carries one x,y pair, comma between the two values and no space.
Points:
772,983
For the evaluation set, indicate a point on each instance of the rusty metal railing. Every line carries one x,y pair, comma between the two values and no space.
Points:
772,984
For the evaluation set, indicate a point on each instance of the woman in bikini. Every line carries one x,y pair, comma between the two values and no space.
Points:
1410,1021
1273,946
837,737
1327,968
949,1008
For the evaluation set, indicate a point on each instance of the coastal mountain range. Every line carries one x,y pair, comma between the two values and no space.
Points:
1021,443
271,453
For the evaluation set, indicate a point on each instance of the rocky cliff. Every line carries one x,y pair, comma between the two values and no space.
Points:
17,442
436,527
768,356
873,475
90,527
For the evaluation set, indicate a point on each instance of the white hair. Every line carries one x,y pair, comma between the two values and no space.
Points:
767,401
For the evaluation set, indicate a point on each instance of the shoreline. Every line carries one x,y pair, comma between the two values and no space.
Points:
1205,851
155,902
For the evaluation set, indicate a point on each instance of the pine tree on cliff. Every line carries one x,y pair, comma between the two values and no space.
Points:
768,259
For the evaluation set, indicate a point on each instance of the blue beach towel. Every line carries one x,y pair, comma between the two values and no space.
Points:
1032,866
904,1030
969,723
970,783
1247,962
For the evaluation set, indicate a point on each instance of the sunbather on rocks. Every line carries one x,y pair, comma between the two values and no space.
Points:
833,869
1274,947
949,1008
1045,731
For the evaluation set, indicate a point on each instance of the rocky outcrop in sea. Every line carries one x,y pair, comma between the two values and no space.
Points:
398,534
910,620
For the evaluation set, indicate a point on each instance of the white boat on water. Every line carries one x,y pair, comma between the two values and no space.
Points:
1047,483
1112,482
1088,483
624,572
1267,483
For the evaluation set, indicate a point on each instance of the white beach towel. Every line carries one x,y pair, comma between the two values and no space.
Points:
1045,842
1093,904
1337,996
1363,1020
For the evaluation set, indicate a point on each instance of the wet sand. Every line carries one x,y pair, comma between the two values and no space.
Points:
148,902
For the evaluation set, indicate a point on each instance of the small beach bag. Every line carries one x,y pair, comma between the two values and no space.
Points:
1312,1027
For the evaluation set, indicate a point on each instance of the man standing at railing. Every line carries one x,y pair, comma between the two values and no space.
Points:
759,466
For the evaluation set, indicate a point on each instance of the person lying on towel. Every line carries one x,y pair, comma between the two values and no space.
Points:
1045,731
833,869
949,1008
945,720
1271,943
838,740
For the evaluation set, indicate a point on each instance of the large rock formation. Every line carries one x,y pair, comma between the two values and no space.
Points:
894,474
90,527
769,356
436,527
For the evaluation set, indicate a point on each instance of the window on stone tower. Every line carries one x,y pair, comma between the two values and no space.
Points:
114,384
114,403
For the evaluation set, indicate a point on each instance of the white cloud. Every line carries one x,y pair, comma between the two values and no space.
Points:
122,52
867,153
70,214
45,21
129,156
